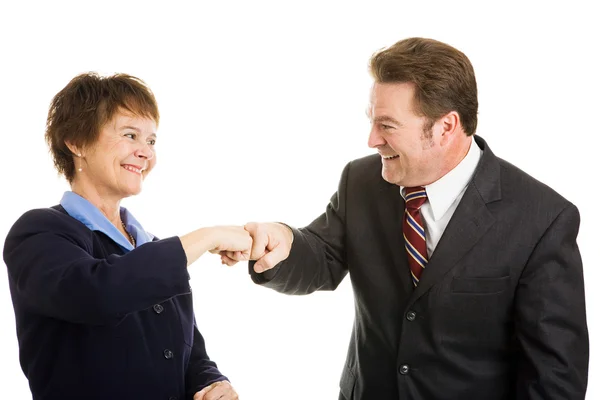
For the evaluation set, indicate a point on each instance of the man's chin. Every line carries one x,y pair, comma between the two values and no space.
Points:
389,177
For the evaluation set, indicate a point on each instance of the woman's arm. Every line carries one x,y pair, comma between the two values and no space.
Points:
201,371
52,271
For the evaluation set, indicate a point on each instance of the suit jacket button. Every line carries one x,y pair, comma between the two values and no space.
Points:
404,369
411,315
158,308
168,354
172,398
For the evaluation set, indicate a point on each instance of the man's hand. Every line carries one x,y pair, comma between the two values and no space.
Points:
217,391
271,244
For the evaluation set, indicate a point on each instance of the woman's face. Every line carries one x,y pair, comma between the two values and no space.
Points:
117,163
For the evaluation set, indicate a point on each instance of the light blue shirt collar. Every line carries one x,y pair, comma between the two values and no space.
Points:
89,215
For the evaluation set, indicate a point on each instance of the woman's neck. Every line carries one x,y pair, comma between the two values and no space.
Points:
108,205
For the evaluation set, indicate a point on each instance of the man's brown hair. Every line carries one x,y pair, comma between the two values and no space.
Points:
442,76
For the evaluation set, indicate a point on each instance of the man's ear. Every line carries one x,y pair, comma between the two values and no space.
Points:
450,126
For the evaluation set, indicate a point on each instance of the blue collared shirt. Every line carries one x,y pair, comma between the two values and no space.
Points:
89,215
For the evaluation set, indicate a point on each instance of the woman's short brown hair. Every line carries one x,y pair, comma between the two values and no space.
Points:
443,78
85,105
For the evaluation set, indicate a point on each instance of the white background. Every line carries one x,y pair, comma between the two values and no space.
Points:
262,105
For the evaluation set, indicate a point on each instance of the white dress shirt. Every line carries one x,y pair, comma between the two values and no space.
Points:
444,195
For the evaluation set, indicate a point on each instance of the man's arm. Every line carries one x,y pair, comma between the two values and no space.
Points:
316,257
551,317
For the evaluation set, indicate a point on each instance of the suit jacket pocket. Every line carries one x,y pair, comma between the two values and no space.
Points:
347,383
480,285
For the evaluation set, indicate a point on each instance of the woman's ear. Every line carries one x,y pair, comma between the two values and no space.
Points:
74,149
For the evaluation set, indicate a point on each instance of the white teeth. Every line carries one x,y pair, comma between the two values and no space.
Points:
390,157
132,169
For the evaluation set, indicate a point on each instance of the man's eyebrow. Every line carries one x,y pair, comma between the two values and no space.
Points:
385,118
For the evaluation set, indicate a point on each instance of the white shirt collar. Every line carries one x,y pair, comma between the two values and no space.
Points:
443,192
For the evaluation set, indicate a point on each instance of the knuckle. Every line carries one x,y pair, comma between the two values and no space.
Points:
250,227
264,239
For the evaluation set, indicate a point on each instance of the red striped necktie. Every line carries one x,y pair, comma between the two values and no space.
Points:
414,231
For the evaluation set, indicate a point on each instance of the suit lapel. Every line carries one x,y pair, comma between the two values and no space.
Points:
391,208
468,224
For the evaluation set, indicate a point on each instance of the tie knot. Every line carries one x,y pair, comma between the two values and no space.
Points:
415,197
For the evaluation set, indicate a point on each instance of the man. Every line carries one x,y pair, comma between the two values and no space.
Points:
466,273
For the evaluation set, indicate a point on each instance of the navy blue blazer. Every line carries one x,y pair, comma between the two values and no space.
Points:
95,322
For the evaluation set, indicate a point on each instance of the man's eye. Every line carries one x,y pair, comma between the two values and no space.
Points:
152,142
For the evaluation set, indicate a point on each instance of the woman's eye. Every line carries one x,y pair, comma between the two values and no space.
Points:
130,135
152,142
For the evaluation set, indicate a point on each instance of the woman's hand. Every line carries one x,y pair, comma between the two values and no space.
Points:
231,239
217,391
217,239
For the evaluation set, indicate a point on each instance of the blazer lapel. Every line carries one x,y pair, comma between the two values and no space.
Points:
468,224
391,208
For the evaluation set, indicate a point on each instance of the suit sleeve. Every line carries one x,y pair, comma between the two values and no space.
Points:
551,318
50,267
201,371
317,260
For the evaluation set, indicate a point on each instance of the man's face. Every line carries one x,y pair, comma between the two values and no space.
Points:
408,143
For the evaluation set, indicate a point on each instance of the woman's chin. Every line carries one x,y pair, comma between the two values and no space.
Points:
131,191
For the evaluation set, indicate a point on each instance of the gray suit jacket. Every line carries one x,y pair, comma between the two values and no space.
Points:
500,309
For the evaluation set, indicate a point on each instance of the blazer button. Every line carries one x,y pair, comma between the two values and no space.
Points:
404,369
158,308
168,354
172,398
411,315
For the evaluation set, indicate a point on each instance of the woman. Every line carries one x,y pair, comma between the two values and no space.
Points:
103,308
